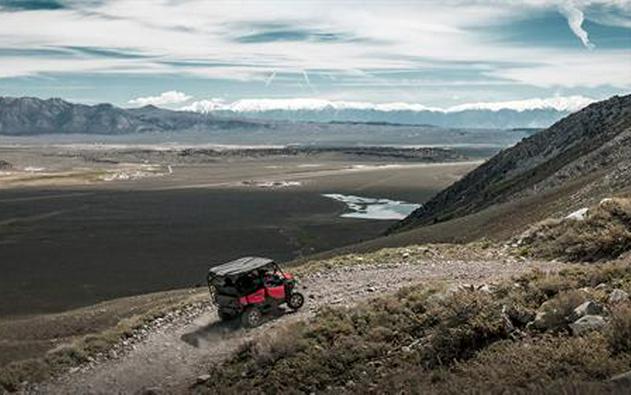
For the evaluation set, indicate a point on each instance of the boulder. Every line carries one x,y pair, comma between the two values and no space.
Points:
618,296
578,215
486,288
543,320
203,378
587,308
588,323
547,318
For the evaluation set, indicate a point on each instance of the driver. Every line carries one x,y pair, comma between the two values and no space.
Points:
272,279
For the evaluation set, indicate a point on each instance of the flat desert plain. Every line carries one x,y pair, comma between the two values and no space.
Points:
79,225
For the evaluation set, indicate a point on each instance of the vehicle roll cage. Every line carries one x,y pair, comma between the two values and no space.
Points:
238,268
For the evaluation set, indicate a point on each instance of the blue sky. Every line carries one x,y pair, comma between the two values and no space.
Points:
438,54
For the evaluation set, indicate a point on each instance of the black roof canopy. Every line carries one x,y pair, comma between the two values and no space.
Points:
240,266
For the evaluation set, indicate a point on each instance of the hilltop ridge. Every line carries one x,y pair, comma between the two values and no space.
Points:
591,147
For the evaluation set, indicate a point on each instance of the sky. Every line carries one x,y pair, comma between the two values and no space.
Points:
197,54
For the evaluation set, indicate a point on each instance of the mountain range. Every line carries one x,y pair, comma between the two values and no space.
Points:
32,116
21,116
482,118
29,116
530,113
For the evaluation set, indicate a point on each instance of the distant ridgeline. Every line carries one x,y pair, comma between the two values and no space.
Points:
32,116
590,148
479,118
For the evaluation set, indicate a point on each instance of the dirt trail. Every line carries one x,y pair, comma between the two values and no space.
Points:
170,358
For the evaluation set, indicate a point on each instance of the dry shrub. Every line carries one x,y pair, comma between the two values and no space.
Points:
535,363
551,285
605,233
619,332
465,323
557,310
15,373
547,364
267,350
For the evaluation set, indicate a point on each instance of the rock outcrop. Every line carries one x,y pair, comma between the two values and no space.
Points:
587,324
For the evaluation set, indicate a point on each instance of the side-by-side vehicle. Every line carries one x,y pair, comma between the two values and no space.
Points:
250,287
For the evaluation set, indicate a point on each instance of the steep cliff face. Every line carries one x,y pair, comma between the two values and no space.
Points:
593,145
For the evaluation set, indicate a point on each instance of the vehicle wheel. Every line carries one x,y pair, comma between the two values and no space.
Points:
224,315
296,300
251,317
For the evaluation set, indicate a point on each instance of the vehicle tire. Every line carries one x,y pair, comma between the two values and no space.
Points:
251,317
296,300
224,315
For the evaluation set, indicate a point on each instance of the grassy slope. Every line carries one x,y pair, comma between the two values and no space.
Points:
444,342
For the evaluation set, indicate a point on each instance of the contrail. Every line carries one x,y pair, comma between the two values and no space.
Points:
307,80
269,79
575,20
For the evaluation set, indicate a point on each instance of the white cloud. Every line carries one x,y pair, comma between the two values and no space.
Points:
174,38
575,20
165,98
560,103
574,70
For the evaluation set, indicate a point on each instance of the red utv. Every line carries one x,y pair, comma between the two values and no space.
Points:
250,287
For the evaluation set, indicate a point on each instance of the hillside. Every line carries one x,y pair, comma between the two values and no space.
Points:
591,147
535,334
32,116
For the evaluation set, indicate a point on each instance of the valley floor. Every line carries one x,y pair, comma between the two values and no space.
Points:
69,238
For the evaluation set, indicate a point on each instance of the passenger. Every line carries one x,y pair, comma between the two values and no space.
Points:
248,284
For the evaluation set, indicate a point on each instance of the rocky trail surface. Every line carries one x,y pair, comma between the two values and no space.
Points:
168,355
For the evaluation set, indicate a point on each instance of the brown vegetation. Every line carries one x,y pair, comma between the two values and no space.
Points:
445,341
604,233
